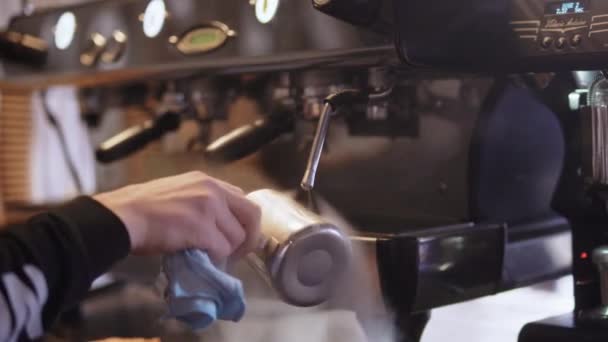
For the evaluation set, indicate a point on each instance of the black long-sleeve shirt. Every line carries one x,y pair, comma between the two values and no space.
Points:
49,263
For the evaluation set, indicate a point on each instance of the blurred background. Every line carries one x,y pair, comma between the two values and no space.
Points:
48,138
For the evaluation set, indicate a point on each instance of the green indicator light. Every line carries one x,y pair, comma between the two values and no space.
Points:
204,38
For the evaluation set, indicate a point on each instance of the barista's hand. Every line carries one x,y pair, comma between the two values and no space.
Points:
191,210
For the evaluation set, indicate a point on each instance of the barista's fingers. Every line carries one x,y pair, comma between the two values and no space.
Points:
213,241
232,188
251,244
228,187
248,214
203,181
230,227
220,250
243,210
246,211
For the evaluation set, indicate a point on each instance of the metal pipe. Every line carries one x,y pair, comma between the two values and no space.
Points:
308,181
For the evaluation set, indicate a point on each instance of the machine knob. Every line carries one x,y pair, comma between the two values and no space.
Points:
546,42
560,42
576,40
600,258
116,47
97,43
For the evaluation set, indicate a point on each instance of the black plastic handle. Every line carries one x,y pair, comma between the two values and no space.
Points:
248,139
135,138
23,48
360,12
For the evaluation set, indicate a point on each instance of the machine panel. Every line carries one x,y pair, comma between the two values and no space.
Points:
160,35
511,35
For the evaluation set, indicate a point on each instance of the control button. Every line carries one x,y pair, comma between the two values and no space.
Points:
546,42
266,10
97,43
560,42
203,39
116,47
154,18
576,40
65,30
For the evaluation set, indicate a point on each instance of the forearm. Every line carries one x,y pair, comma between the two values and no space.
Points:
48,263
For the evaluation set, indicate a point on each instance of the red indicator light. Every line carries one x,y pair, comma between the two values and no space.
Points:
584,255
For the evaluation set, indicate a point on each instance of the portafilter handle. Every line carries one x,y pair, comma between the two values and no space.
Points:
249,138
136,138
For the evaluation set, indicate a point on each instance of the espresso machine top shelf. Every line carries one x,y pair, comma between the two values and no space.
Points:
108,41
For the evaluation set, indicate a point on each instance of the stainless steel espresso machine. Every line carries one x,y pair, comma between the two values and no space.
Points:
456,137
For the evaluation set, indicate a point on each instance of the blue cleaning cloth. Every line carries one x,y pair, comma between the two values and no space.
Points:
198,292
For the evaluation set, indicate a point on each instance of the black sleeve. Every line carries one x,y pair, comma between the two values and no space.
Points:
49,263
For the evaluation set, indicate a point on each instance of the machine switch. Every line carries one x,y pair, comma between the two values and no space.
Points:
546,42
600,259
96,45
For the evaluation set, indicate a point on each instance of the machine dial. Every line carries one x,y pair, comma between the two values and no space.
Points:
154,18
65,30
96,45
116,47
265,10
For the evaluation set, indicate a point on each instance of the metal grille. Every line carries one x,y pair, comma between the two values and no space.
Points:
599,140
15,128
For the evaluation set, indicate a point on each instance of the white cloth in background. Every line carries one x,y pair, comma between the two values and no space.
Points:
51,180
500,318
281,322
268,319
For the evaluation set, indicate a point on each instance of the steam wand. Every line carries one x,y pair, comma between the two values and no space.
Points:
332,103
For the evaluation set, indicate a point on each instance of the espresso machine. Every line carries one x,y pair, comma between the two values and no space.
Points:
461,140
